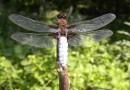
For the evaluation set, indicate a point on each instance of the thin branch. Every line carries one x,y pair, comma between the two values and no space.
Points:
63,77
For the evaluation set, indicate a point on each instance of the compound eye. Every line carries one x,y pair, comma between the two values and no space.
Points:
63,17
60,17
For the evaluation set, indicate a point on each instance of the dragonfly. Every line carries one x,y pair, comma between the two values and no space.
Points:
42,35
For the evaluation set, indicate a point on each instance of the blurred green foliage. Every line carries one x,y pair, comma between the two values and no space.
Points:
101,66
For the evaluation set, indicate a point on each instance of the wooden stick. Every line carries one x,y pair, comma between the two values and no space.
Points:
63,77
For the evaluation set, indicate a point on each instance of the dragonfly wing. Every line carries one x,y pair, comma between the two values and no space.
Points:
93,24
36,40
30,24
82,39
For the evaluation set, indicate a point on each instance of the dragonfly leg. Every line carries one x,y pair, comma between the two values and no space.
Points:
66,33
53,26
58,32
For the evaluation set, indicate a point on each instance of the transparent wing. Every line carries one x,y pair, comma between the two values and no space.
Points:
36,40
82,39
30,24
93,24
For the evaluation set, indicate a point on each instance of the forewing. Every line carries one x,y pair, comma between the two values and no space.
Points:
93,24
83,39
36,40
30,24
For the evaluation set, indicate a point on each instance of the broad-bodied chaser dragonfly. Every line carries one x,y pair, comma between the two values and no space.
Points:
72,34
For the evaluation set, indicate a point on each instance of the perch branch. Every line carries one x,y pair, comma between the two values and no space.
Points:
63,77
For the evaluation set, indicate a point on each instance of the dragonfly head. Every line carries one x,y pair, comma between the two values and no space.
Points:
62,18
62,15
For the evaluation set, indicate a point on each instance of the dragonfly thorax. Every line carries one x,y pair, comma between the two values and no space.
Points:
62,22
62,30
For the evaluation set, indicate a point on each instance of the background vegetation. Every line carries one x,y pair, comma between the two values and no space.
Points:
101,66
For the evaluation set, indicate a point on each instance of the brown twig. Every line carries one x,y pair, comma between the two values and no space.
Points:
63,77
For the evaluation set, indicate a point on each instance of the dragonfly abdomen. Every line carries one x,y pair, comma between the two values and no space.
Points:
62,50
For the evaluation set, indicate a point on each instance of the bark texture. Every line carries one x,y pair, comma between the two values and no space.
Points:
63,77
